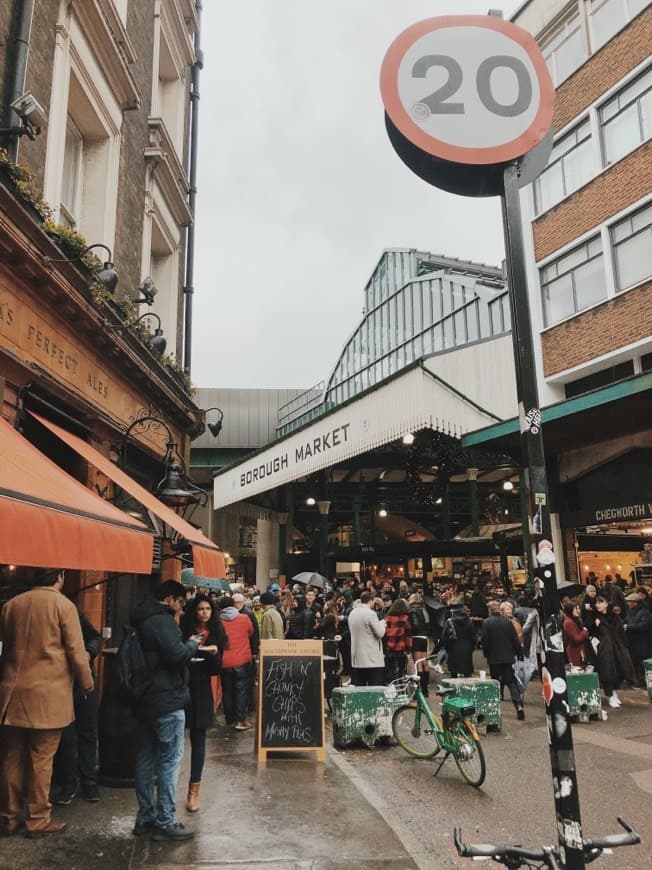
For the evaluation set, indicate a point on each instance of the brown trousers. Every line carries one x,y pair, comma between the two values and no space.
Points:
25,775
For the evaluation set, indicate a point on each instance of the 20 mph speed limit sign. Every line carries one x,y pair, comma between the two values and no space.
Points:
468,89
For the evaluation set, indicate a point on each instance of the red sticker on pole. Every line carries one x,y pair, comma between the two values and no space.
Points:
470,89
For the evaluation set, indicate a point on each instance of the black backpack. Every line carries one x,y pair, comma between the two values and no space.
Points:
131,670
450,633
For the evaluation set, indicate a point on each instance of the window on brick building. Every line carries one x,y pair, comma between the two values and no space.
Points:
631,239
626,119
565,50
573,282
572,163
607,17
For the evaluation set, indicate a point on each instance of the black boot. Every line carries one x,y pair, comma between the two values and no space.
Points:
424,676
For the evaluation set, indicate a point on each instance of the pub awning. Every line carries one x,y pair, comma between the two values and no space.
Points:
50,520
208,559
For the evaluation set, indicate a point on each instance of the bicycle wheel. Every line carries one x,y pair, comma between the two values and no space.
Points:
469,756
413,732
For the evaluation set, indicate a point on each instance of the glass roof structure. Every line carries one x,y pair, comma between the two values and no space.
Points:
416,305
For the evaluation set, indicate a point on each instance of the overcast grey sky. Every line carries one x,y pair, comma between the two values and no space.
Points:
299,188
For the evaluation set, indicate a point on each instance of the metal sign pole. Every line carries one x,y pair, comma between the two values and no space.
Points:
562,758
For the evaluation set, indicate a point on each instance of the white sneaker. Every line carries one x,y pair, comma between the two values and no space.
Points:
613,701
438,668
615,695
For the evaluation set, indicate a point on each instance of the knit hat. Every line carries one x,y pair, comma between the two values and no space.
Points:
590,588
268,598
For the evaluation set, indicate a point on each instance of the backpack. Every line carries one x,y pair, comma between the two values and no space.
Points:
449,633
131,669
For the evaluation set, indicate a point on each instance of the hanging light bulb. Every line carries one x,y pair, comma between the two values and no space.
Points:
408,438
508,486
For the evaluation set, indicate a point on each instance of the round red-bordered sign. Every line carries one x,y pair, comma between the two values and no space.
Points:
470,89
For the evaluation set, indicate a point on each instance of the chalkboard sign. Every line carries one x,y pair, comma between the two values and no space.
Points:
290,697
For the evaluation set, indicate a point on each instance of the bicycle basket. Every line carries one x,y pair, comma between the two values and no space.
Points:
400,691
461,707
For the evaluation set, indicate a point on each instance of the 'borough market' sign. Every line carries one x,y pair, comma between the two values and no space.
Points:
409,402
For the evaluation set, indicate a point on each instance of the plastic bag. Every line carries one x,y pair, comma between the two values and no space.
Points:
523,670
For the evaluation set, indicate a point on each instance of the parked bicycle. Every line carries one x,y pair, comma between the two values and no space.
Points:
424,734
547,856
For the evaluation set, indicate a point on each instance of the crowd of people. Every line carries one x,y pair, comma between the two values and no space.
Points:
609,629
200,648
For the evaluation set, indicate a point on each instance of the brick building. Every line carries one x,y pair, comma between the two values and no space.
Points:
112,83
588,229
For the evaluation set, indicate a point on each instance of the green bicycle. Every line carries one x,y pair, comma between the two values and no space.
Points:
424,734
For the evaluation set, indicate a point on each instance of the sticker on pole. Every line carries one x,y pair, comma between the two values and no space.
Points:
468,89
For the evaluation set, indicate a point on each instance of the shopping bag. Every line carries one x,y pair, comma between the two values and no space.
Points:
523,670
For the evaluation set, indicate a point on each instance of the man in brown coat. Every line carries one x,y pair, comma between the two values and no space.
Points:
43,651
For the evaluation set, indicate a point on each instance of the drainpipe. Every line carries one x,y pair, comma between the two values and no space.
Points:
188,288
16,68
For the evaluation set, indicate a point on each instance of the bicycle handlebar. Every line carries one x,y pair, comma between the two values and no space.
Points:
630,838
592,848
487,850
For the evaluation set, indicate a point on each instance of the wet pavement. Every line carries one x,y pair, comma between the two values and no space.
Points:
370,809
293,813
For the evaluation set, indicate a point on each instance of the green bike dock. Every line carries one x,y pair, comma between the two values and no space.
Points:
485,695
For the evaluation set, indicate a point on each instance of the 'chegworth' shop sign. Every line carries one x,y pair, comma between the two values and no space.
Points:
412,401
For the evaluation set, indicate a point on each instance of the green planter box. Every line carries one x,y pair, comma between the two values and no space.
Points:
361,713
647,664
584,698
485,694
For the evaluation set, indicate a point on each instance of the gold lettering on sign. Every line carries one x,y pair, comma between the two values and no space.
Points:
6,313
62,356
56,352
96,384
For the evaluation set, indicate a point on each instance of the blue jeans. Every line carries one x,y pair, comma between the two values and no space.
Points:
160,750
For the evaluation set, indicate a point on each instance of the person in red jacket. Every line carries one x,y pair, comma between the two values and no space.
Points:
575,636
236,664
398,640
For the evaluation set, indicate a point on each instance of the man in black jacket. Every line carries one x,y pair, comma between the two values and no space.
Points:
501,646
161,711
76,758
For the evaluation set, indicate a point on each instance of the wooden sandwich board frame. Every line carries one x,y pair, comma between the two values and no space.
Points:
289,648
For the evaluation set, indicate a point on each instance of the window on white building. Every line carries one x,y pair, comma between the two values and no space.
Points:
573,282
626,119
607,17
571,164
72,176
565,50
631,239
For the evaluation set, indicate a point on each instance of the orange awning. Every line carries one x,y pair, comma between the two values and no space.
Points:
50,520
208,559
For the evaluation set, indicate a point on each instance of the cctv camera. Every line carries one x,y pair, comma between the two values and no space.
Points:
30,110
149,290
